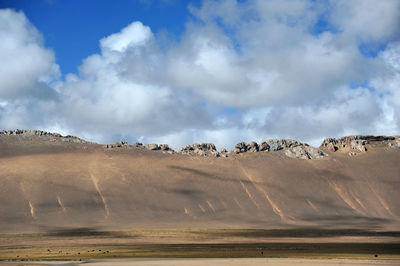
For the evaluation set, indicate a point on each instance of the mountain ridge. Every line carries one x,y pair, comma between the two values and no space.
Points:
357,143
48,185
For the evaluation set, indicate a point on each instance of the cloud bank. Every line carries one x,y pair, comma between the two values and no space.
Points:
247,70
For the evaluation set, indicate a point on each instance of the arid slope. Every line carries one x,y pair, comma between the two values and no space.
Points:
52,185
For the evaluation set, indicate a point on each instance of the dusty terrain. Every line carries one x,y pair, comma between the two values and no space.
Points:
50,186
78,195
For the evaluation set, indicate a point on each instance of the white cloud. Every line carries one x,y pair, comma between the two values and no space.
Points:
368,20
135,34
24,59
271,57
388,86
119,91
27,69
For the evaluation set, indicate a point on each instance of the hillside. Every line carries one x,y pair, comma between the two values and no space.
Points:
51,183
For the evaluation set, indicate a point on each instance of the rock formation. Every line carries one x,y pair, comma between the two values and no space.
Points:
202,149
119,144
152,147
293,148
53,136
355,144
279,144
394,143
138,145
304,152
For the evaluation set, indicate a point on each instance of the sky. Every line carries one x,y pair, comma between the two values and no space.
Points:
182,72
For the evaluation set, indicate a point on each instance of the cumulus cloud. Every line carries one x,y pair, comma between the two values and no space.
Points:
134,34
25,61
272,57
388,87
26,69
242,70
120,90
367,20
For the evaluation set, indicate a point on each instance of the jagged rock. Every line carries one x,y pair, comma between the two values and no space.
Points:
186,150
201,149
273,144
354,142
31,132
252,146
164,147
223,150
264,147
152,147
331,147
119,144
122,144
200,152
315,153
240,147
137,145
358,145
330,144
204,146
278,144
304,152
395,143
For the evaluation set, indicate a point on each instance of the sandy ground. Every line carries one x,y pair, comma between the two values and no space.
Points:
219,262
55,186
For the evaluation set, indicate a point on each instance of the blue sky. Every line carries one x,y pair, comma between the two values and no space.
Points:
181,72
73,28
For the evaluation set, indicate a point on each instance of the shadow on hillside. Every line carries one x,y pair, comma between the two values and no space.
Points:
224,233
302,232
204,174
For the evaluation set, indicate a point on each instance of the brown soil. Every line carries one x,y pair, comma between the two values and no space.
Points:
65,187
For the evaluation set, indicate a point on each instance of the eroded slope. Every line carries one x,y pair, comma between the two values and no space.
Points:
57,185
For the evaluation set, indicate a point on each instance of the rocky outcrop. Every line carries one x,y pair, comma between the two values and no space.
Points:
152,147
247,147
41,133
241,147
358,145
165,147
304,152
266,146
120,144
138,145
293,148
224,152
279,144
201,149
394,143
355,144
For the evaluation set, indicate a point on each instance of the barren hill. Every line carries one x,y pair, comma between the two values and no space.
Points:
49,182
